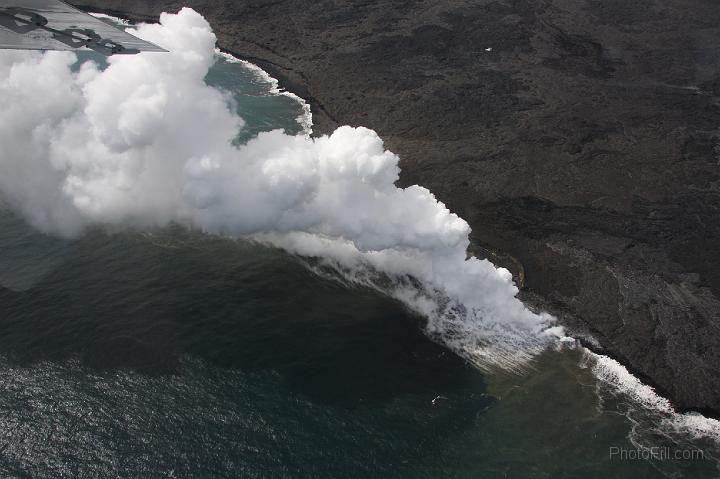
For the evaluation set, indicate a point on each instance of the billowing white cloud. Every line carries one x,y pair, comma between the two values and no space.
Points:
145,142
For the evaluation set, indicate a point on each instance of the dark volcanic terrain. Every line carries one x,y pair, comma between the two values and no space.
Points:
579,139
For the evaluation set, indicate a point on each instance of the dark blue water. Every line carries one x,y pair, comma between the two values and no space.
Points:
172,353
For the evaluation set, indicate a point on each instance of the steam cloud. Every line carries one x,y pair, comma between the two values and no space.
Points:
145,142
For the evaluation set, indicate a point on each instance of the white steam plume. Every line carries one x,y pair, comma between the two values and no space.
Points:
146,142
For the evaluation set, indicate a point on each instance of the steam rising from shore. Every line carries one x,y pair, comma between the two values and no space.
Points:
146,142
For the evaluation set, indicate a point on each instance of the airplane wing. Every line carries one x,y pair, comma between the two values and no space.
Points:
55,25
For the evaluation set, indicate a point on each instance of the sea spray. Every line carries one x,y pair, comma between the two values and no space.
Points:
145,142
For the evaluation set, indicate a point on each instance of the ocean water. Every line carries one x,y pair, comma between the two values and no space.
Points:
171,353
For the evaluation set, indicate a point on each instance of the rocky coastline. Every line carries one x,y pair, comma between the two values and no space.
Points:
578,139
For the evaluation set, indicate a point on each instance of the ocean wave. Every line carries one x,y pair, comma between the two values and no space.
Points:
617,380
304,119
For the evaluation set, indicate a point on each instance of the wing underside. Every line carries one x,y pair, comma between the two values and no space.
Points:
55,25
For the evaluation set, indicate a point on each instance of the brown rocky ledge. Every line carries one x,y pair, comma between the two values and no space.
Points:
579,138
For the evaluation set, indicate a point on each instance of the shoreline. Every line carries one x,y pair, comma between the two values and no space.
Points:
305,119
582,260
622,378
273,70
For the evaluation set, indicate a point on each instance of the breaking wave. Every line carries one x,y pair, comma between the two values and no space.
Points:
651,414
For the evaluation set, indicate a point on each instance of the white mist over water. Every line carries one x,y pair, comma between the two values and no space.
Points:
145,142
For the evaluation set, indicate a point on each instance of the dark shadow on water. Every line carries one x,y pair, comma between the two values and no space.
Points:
143,302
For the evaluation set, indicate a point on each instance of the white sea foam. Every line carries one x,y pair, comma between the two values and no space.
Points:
618,377
619,380
304,119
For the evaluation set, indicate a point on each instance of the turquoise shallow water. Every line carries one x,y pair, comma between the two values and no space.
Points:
176,354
